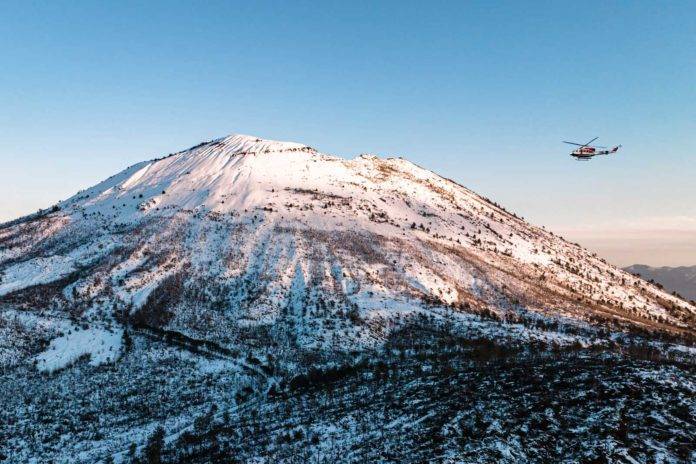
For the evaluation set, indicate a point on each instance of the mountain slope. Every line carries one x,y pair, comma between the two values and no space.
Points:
259,225
265,259
680,279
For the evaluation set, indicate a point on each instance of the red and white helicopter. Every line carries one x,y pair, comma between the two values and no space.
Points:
585,152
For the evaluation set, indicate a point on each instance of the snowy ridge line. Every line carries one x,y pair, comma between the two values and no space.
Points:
245,268
392,229
27,218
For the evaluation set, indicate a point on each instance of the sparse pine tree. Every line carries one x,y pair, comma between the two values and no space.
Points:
154,446
127,341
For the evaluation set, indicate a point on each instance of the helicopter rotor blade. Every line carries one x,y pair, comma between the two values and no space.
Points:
573,143
590,141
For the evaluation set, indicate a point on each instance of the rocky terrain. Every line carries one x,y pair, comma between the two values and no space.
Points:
247,300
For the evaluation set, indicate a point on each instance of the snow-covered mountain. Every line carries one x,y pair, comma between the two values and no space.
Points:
271,257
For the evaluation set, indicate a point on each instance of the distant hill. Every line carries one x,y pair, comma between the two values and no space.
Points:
675,279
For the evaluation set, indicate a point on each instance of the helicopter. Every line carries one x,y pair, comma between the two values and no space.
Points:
585,151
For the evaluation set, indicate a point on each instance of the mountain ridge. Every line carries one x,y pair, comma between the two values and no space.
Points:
243,181
680,279
261,263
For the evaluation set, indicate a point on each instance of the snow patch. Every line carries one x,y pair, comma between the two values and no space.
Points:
101,345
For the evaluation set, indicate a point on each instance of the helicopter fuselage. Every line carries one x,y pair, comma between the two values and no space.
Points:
585,153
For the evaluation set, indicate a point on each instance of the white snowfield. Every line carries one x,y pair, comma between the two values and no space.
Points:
242,232
102,346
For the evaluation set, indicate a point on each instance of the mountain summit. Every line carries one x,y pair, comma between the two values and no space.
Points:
259,227
273,258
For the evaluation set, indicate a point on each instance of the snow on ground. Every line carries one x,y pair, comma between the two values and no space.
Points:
236,218
42,270
272,246
35,272
102,346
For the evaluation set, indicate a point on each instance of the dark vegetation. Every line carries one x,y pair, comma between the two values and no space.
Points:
429,394
480,402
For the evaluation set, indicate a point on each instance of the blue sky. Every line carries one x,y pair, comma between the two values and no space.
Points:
481,92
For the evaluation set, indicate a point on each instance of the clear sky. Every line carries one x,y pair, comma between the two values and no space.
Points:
481,92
